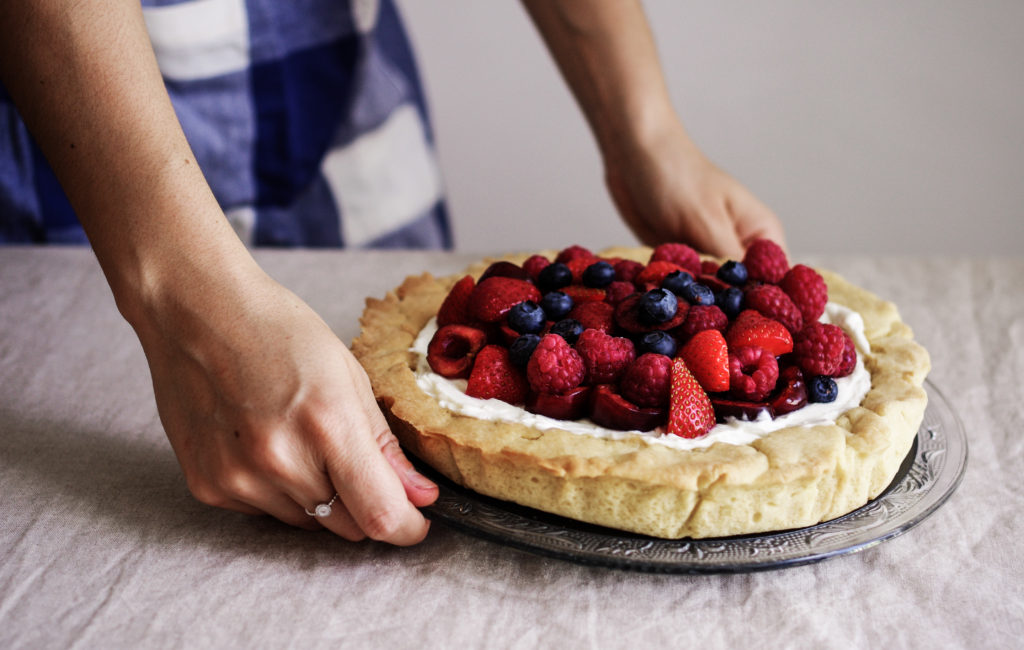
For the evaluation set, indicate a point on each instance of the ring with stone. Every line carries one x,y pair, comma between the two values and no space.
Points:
322,509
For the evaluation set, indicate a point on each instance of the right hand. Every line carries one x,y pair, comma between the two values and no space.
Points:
268,412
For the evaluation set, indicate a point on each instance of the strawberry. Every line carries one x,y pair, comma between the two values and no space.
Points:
654,273
751,328
581,294
646,381
494,377
628,319
452,349
454,309
495,296
707,358
772,302
604,357
594,315
765,261
554,367
690,413
679,254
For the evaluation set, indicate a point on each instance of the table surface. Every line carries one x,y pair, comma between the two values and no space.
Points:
101,544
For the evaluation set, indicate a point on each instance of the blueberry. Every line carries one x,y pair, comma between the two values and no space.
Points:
658,342
556,305
522,348
554,276
730,301
657,306
569,329
676,281
822,389
698,294
732,272
598,275
527,317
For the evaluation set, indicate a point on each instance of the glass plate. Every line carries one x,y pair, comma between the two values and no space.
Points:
929,475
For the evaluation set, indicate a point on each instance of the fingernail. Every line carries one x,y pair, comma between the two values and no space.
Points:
418,480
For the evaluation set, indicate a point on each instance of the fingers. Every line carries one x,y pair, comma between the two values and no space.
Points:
420,490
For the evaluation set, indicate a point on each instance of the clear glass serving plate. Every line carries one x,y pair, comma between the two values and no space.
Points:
929,475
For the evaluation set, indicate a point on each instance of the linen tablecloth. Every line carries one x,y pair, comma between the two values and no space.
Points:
101,544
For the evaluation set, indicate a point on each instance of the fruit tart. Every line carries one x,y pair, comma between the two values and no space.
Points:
652,391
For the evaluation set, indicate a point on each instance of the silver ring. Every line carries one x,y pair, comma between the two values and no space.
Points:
322,509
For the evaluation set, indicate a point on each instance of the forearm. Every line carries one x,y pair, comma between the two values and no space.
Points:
86,81
606,53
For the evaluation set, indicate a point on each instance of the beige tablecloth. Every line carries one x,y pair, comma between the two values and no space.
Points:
102,546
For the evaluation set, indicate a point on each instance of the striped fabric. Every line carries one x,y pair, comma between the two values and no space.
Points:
306,116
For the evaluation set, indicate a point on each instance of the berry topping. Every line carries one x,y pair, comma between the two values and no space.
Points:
753,372
455,308
617,291
676,281
818,349
657,306
627,316
703,317
791,392
698,294
527,317
594,315
579,293
732,272
451,351
568,328
554,367
534,264
849,362
556,304
492,299
504,269
822,389
808,291
495,377
554,276
605,357
609,409
627,270
572,405
573,252
765,261
772,302
599,275
521,348
655,273
690,414
646,382
579,266
679,254
657,342
730,301
751,328
707,357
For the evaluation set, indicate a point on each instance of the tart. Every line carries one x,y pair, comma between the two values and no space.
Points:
686,476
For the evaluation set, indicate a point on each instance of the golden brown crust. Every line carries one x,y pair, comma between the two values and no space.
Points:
791,478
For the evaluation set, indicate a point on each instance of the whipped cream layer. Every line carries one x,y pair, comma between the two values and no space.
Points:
451,394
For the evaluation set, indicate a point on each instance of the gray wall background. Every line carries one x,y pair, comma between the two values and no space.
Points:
872,127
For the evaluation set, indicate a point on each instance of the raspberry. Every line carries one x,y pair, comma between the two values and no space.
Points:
494,377
554,367
605,357
818,348
753,372
572,253
452,349
578,265
703,317
534,265
708,267
679,254
807,289
455,308
766,261
617,291
594,315
655,272
647,381
849,361
627,270
772,302
495,296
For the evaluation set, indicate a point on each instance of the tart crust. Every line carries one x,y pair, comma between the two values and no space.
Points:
790,478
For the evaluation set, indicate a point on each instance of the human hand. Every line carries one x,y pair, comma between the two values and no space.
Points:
268,412
667,190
